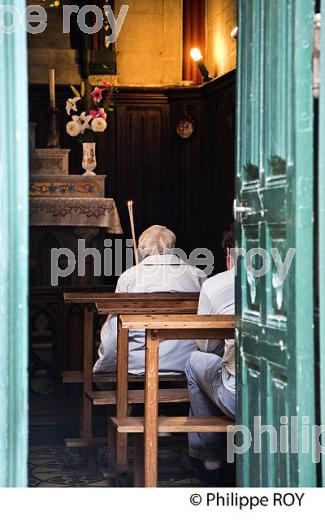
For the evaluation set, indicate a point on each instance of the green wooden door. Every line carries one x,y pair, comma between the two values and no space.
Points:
13,254
274,178
321,234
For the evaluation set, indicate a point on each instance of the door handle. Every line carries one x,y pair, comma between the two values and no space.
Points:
241,211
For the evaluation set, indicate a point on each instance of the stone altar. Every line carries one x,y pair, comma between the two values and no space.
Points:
60,204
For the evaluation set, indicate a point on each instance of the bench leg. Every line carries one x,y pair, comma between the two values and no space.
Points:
121,449
122,391
138,455
151,410
122,445
87,412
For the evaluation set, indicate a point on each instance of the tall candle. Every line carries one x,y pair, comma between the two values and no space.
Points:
52,87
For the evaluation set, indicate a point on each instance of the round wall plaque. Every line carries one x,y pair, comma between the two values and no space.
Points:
185,127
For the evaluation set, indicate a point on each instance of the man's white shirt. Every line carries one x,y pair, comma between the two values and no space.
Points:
156,273
218,297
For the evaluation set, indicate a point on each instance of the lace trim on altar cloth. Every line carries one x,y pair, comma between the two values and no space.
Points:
75,212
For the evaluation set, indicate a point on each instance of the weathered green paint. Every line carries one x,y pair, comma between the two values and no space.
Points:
274,176
321,234
13,254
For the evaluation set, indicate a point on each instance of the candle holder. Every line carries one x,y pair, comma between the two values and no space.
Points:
53,138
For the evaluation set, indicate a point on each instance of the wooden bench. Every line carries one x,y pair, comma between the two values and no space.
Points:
100,398
159,328
116,303
76,376
174,424
165,395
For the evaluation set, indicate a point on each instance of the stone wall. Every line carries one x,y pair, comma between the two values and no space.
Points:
149,47
51,50
221,18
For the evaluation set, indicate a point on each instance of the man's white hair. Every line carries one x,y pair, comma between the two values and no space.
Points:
156,240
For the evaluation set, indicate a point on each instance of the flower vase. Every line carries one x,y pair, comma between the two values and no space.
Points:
89,158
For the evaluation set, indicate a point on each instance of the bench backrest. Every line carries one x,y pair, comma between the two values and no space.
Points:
178,321
97,297
141,306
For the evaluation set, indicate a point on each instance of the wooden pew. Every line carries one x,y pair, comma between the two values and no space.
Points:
158,328
124,397
153,307
116,303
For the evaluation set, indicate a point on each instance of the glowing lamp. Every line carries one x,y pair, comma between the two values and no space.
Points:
196,56
234,33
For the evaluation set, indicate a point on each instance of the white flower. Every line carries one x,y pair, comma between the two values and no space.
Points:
71,104
98,124
83,121
73,128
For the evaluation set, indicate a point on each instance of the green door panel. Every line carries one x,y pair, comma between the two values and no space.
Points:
13,254
274,177
321,234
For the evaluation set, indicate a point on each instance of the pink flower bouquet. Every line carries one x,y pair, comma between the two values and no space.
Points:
91,111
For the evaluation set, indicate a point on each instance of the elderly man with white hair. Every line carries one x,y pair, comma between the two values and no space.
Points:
160,271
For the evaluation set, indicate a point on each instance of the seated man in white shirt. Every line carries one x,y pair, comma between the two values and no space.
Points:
211,376
159,271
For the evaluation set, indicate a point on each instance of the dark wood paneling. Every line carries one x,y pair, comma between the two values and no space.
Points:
142,158
219,173
203,167
186,166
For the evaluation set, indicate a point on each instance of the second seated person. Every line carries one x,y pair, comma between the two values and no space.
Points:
160,271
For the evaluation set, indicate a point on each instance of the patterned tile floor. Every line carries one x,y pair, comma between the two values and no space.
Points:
58,466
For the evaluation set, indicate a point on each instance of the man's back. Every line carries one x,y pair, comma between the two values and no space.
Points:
218,294
159,273
218,297
156,273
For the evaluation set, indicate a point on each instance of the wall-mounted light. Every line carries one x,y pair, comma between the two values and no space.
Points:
54,4
196,56
234,33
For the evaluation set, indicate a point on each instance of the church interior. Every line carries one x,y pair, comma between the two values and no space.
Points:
169,147
162,290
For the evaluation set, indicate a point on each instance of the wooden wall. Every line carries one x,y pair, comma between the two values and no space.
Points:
184,184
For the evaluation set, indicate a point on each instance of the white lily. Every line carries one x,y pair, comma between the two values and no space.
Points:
83,121
71,104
